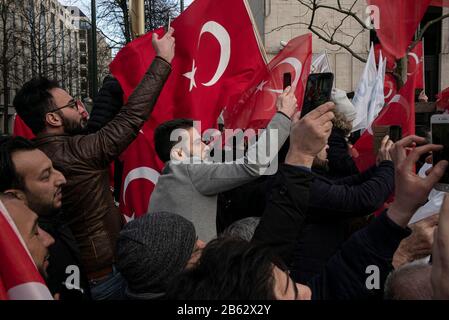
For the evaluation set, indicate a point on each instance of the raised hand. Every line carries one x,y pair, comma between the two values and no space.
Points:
411,190
165,46
440,255
309,135
286,102
384,151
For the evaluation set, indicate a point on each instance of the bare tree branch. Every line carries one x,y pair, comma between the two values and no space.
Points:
424,29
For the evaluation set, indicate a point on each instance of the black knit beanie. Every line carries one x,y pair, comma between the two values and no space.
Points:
153,249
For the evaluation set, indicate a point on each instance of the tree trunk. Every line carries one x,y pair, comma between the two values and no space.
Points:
126,21
401,72
6,101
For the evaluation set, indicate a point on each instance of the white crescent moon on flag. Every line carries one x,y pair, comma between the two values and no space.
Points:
389,93
297,65
220,33
140,173
415,56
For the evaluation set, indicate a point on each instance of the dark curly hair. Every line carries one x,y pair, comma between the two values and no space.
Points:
34,101
9,178
229,269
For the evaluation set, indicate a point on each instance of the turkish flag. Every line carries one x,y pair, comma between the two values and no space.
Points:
442,102
21,129
390,87
398,21
440,3
217,57
258,105
19,277
391,60
416,64
400,111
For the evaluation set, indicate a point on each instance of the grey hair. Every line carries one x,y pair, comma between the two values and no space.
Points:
410,282
243,229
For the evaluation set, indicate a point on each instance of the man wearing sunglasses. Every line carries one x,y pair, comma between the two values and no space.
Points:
87,203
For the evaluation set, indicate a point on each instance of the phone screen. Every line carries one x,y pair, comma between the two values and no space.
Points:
395,133
440,135
287,79
318,91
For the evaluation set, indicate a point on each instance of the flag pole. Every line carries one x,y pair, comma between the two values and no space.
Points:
137,14
423,67
256,32
94,71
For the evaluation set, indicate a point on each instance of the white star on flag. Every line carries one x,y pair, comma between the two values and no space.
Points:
261,85
191,75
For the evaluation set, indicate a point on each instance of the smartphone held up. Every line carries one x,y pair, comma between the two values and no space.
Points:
318,91
440,135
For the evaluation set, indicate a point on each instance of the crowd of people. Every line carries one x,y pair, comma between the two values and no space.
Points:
300,228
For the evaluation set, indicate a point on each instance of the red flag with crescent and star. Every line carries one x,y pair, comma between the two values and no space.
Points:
400,111
397,22
19,277
258,105
217,57
416,65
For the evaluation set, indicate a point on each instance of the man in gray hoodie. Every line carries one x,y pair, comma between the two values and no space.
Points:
190,182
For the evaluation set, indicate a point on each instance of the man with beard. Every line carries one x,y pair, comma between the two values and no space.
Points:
28,174
333,204
87,203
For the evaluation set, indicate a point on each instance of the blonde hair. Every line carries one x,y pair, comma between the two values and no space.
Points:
342,123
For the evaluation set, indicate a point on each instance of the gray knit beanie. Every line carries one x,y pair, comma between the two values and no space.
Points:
153,249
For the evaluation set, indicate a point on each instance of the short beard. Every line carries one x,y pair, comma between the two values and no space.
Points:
72,127
42,210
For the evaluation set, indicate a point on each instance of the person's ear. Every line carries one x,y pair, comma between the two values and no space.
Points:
19,194
176,153
53,119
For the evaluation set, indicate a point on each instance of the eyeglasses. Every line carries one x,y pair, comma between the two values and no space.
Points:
73,104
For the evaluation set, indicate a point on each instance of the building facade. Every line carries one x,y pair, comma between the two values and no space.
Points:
49,40
271,15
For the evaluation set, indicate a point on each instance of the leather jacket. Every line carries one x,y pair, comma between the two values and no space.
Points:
87,204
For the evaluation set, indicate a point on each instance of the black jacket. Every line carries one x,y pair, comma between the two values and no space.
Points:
285,211
332,204
341,164
106,104
346,274
63,253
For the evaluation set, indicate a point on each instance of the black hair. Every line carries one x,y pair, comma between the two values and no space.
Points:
228,269
34,101
9,176
162,142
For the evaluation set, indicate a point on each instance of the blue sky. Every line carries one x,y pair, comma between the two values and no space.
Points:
84,5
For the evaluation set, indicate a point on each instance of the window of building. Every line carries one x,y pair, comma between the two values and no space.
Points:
83,47
83,34
83,72
83,60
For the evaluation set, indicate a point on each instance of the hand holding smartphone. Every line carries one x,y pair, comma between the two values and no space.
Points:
440,135
318,91
287,80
